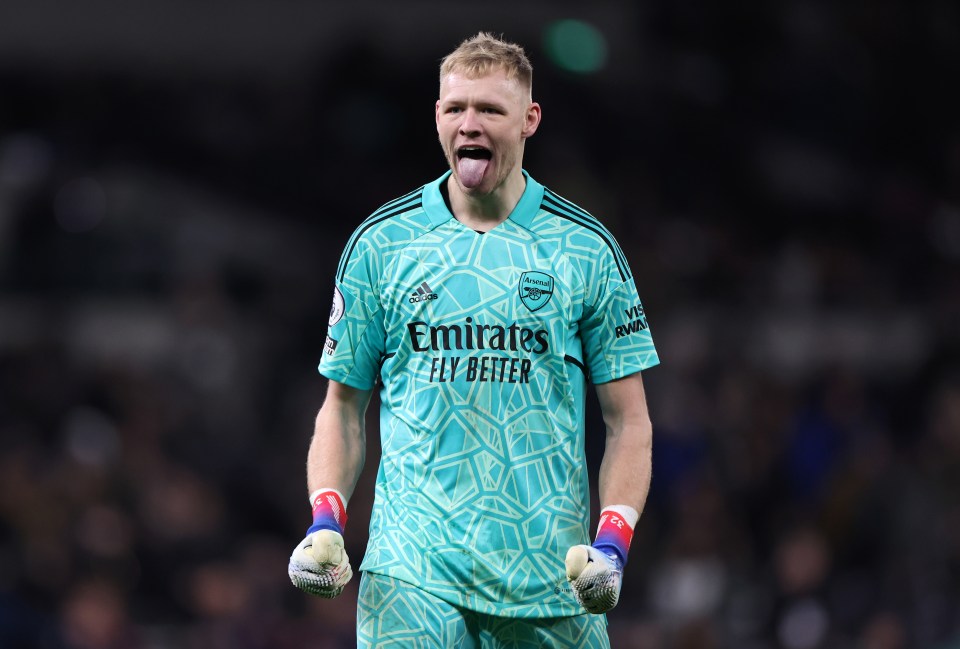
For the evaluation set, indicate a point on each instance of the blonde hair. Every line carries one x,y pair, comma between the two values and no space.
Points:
479,55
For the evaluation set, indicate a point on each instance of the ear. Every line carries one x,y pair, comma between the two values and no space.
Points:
436,114
531,121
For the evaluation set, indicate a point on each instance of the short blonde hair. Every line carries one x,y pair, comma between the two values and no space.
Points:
479,55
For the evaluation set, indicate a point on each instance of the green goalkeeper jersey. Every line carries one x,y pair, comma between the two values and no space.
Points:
483,344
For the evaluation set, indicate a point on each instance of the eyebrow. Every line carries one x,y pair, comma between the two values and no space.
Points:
480,103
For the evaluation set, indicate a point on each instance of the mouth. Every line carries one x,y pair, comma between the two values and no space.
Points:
473,153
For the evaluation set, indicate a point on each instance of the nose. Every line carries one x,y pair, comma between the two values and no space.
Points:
470,125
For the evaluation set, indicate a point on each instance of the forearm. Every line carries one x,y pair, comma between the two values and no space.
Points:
626,467
338,446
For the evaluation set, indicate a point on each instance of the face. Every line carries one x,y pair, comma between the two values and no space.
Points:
483,124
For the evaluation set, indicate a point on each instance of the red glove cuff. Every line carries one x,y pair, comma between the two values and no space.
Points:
614,534
329,511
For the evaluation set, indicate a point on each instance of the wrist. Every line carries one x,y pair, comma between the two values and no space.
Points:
615,531
329,511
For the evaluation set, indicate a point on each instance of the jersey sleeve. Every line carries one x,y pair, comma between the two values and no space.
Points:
355,338
614,330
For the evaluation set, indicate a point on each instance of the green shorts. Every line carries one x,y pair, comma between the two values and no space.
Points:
393,613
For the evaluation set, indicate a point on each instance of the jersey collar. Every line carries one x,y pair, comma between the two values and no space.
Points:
522,214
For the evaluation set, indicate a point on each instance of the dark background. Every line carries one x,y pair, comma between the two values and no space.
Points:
177,180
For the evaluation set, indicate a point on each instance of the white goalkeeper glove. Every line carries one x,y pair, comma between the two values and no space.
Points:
319,565
595,572
595,577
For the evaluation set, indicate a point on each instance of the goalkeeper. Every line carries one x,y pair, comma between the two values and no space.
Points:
481,306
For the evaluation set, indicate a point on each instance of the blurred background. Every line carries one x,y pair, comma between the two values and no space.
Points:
177,180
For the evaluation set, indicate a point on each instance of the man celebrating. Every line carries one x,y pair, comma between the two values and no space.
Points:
483,302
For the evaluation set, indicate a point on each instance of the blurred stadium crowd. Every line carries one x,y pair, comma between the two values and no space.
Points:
784,178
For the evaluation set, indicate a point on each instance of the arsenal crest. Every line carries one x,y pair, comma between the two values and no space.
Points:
536,289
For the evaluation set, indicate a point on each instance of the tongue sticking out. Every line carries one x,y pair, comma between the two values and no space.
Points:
471,171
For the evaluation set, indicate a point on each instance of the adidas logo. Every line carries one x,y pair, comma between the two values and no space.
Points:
422,294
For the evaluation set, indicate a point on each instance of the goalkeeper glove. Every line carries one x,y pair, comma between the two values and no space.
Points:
319,564
595,572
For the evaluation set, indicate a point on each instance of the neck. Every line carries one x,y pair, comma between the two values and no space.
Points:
484,212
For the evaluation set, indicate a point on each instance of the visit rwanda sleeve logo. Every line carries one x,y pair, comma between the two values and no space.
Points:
536,289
